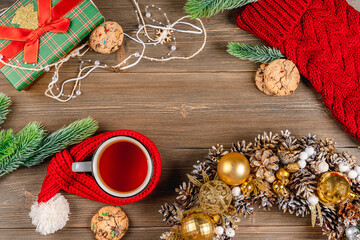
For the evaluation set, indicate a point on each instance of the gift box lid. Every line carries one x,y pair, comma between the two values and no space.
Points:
84,17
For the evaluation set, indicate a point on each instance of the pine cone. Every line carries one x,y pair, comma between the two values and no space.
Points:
244,205
303,183
349,214
265,201
266,141
294,204
331,225
242,147
209,167
265,163
215,153
169,211
188,195
309,141
314,165
336,159
289,149
326,145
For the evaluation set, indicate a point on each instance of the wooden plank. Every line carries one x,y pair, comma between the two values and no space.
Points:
180,110
245,232
185,107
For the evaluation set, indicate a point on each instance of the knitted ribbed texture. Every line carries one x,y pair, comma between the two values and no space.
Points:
60,175
322,37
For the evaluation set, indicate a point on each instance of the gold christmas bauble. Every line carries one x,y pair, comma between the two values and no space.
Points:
283,175
247,188
197,226
333,187
215,197
279,188
233,168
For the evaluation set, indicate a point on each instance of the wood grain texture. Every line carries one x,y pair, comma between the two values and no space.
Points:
185,107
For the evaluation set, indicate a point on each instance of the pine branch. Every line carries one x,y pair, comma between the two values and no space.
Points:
5,103
8,144
208,8
256,53
28,141
61,139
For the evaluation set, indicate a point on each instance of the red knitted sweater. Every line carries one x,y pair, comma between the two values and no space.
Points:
322,37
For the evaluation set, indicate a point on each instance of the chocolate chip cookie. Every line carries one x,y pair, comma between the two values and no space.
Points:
278,78
109,223
106,38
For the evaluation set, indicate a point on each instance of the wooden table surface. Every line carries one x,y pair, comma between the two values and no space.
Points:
185,107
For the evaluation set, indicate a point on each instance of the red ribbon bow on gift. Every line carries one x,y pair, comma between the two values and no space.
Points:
27,39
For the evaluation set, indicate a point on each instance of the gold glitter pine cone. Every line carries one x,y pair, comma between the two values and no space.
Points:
265,163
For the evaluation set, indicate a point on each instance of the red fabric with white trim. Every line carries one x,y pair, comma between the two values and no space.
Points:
322,37
60,176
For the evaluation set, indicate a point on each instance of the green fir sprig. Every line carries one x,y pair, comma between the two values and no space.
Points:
254,53
75,133
208,8
5,102
32,145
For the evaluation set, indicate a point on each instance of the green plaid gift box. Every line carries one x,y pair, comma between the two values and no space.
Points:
53,46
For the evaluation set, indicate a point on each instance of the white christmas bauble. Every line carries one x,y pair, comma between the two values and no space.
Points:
230,232
352,174
313,200
358,179
235,191
357,169
302,163
303,156
343,167
352,233
219,230
309,151
323,167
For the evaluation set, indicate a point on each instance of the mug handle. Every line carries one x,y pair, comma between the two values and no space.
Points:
82,166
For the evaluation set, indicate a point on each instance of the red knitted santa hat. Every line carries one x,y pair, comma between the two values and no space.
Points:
322,37
50,212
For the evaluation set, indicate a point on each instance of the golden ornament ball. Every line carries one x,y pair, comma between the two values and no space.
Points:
233,168
197,226
215,197
279,188
283,175
334,187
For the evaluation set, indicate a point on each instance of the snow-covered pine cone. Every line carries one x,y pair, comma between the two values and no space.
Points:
188,195
303,183
294,205
169,211
331,225
244,205
215,153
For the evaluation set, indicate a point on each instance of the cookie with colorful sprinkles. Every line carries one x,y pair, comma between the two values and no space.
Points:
106,38
109,223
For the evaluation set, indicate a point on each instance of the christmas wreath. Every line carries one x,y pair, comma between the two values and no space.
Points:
302,176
